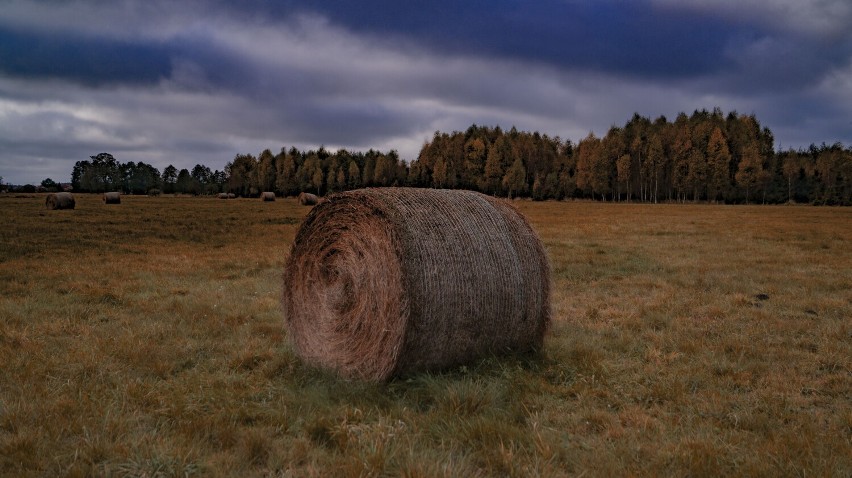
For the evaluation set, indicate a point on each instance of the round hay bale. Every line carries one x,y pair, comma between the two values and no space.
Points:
231,196
308,199
267,196
60,201
222,195
385,282
112,197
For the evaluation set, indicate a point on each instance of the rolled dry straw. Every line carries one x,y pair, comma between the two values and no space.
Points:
384,282
60,201
222,195
112,198
308,199
267,196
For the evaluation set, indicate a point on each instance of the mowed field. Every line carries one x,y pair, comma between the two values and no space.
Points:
146,339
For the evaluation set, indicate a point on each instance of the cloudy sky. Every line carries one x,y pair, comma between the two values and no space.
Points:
197,82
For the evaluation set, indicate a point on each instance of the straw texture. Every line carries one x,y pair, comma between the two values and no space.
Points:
60,201
113,197
308,199
384,282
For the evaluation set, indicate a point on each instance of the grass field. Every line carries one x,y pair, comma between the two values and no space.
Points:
146,339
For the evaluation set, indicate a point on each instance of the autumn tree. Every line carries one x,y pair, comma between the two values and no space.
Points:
515,180
718,165
704,156
624,168
310,175
265,171
697,173
285,173
750,169
833,169
588,153
317,179
385,172
241,174
368,171
354,176
474,163
495,166
605,171
652,167
442,175
680,154
340,179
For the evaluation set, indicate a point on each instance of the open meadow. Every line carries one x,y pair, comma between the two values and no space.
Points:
146,339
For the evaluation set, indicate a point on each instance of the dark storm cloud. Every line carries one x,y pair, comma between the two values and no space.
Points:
616,37
90,60
639,40
625,37
200,81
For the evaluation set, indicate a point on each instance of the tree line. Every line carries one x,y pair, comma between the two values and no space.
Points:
708,156
287,173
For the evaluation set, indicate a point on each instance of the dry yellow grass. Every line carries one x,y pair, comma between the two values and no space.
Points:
688,340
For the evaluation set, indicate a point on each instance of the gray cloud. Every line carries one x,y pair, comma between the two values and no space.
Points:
819,18
238,82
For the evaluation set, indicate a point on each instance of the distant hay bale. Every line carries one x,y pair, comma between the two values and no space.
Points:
232,196
267,196
60,201
112,198
222,195
384,282
308,199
